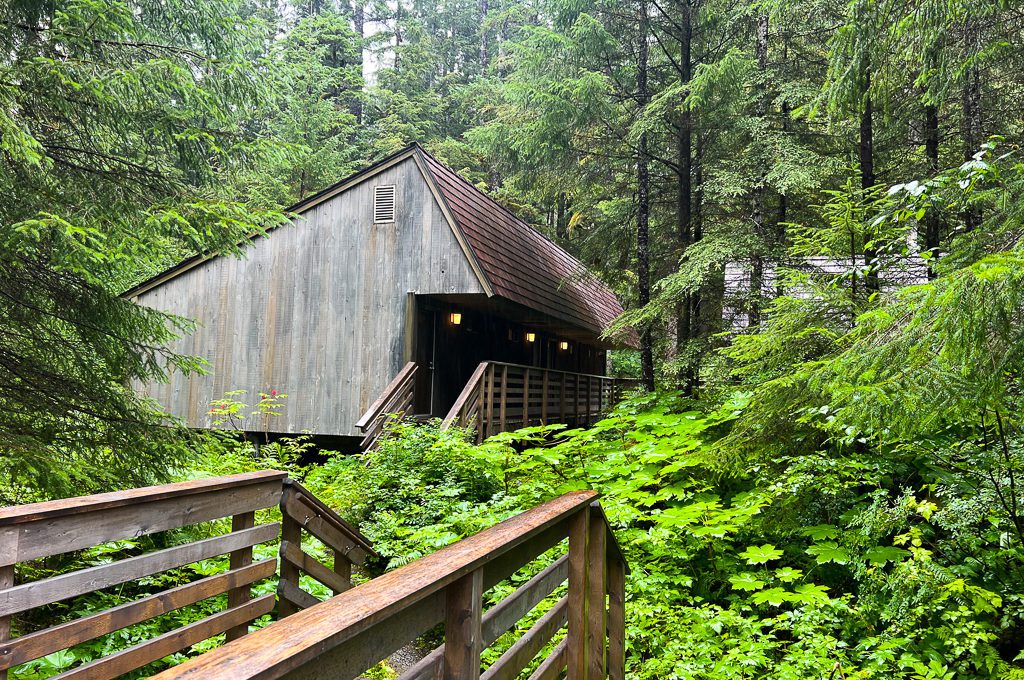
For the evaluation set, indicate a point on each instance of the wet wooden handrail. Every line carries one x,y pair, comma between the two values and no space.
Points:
41,530
345,635
395,401
500,397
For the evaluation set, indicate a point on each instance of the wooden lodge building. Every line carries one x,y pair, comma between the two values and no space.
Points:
401,288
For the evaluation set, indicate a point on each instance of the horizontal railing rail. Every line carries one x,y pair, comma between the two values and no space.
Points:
42,530
394,402
500,397
351,632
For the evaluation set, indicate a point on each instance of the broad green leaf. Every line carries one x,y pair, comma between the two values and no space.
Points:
829,551
761,554
746,581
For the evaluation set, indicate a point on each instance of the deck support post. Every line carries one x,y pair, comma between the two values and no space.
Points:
597,622
576,633
6,581
463,633
291,532
616,620
237,560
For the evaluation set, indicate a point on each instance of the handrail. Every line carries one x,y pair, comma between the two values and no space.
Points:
351,632
500,396
374,409
41,530
395,400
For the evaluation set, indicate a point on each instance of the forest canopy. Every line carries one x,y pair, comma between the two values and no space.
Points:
813,210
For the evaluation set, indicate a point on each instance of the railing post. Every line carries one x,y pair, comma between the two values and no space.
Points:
291,532
6,581
544,398
576,633
463,635
237,560
526,397
489,401
343,568
504,399
597,624
561,409
616,620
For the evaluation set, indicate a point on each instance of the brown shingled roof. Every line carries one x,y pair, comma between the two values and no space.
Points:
519,263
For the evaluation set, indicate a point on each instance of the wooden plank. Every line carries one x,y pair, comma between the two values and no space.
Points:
616,620
551,667
489,402
61,533
174,641
299,598
343,570
597,610
463,642
514,660
526,396
321,525
33,512
6,581
466,397
503,399
544,398
500,618
387,394
576,637
294,554
48,640
237,560
291,533
311,499
29,595
300,640
352,657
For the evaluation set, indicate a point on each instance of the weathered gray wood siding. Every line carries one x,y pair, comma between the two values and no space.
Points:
317,310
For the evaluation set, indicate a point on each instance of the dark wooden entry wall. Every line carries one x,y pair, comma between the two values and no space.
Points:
448,353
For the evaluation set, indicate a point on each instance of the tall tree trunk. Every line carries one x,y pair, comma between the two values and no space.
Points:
931,154
971,127
757,209
483,36
359,25
643,246
684,330
867,180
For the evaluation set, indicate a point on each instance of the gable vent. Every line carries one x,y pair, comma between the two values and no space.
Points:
384,204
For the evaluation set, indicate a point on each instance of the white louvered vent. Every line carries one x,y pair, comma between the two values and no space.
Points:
384,204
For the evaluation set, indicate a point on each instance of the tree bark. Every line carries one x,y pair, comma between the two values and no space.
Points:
643,252
757,200
684,330
483,7
867,180
359,24
931,153
971,128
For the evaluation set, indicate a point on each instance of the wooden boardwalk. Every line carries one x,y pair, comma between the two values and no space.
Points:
342,636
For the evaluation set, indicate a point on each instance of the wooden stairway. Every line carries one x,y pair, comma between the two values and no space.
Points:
500,397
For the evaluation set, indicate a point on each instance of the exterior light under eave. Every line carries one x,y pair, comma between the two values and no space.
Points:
563,345
455,318
530,337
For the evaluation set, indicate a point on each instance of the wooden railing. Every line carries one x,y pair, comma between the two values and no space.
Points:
394,402
500,397
42,530
345,635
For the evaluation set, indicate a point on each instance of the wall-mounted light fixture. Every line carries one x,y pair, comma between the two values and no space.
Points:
563,345
531,337
455,318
